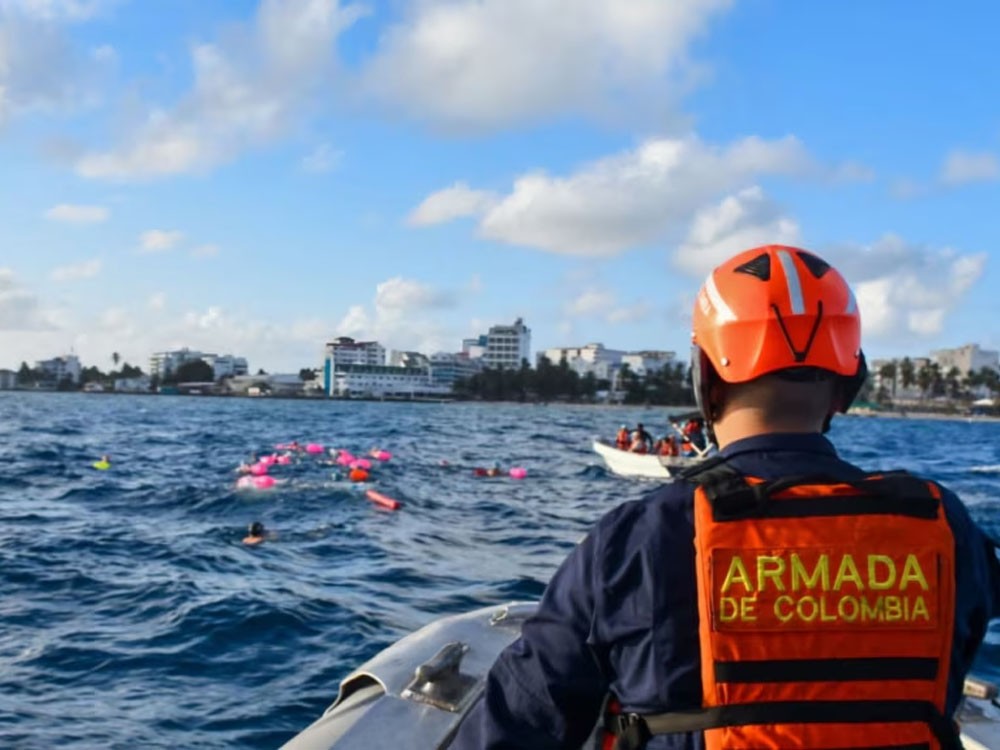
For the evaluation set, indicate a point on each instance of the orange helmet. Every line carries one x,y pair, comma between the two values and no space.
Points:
772,309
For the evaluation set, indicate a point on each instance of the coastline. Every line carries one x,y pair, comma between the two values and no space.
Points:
924,415
860,413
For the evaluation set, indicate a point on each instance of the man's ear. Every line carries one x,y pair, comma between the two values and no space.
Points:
716,398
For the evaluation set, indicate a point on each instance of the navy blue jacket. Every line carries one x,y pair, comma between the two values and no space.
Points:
621,614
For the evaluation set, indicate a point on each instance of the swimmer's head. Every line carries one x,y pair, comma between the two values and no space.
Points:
256,529
496,465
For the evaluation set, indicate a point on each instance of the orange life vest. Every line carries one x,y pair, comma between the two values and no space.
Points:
622,440
826,616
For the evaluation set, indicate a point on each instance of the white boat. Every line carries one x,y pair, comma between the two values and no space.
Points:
628,464
414,694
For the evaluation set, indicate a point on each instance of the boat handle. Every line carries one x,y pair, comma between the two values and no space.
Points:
445,662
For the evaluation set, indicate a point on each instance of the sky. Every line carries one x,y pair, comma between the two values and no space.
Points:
258,177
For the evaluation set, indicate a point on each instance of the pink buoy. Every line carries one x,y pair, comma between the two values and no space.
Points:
264,482
518,472
244,483
284,460
284,447
268,460
345,459
361,463
259,469
314,448
381,455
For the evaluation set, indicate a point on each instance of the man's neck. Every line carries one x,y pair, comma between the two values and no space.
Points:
744,422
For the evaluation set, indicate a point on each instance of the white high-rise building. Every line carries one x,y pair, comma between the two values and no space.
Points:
646,362
474,348
226,365
399,358
62,368
966,358
446,368
163,364
592,358
508,345
346,351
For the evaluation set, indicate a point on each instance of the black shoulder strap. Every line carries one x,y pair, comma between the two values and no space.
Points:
695,473
733,498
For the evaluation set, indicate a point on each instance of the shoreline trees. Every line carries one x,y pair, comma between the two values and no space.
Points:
550,382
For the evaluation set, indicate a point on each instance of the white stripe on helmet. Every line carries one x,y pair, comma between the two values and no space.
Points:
794,284
723,312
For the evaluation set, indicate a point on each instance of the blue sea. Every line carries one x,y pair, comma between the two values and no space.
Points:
131,614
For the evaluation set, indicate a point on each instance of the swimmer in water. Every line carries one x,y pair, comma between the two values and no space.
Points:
103,464
256,533
494,470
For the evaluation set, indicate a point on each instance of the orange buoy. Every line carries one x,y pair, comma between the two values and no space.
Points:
358,475
382,500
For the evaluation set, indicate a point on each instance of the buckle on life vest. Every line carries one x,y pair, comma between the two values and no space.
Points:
631,730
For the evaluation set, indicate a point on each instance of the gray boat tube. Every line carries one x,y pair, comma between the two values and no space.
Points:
415,693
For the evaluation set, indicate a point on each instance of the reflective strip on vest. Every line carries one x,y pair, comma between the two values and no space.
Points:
826,614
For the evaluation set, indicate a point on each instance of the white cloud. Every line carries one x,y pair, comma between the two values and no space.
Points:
105,54
595,302
906,291
634,198
906,189
401,317
590,302
248,91
157,301
159,240
356,323
743,220
135,332
962,167
480,64
851,171
56,10
399,295
38,69
452,203
324,158
205,251
630,314
77,214
74,272
20,309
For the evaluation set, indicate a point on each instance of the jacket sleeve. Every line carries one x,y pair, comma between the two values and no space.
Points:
546,689
977,590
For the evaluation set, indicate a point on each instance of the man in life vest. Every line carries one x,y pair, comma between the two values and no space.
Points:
642,441
623,440
776,596
666,446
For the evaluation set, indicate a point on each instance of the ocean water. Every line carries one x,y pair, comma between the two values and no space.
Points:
132,615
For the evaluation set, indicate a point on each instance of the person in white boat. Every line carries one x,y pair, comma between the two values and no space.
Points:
623,440
642,441
775,596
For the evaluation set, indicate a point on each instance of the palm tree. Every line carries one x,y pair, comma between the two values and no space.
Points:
925,378
953,382
888,372
991,379
907,372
